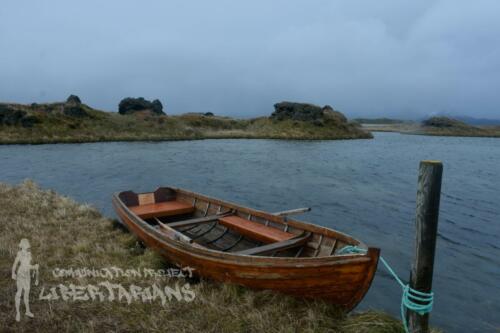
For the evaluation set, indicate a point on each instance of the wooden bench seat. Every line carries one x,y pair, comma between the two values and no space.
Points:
197,220
167,208
277,246
255,230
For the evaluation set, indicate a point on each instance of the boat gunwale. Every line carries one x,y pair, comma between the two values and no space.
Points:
276,219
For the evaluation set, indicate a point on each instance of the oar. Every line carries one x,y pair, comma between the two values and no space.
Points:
175,234
293,211
296,211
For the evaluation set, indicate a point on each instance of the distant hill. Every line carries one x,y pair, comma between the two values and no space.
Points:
446,126
445,122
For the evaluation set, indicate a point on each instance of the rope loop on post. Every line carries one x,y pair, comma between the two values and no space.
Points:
412,299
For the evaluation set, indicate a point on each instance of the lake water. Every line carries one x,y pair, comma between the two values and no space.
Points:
366,188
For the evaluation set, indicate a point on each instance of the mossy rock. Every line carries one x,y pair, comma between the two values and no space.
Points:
76,111
14,117
73,99
296,111
315,114
131,105
9,116
29,121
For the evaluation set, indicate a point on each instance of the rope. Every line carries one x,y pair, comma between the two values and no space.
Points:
414,300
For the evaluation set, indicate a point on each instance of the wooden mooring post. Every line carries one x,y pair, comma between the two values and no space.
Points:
427,212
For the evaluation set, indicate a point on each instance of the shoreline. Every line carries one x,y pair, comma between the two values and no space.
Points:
49,221
155,140
413,129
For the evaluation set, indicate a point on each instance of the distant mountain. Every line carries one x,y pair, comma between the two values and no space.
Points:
478,121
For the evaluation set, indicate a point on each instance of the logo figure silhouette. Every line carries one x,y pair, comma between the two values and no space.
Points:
21,273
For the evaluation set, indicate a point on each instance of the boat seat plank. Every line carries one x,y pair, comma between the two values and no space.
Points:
278,246
198,220
255,230
160,209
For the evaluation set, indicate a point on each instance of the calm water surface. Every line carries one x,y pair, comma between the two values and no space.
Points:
365,188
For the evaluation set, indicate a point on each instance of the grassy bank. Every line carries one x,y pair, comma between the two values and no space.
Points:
52,123
64,234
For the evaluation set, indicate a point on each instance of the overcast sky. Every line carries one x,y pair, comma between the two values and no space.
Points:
365,58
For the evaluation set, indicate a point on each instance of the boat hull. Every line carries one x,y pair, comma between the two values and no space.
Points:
343,280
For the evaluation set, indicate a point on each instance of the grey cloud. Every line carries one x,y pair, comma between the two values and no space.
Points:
366,58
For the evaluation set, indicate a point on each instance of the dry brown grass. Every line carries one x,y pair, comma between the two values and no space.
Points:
65,234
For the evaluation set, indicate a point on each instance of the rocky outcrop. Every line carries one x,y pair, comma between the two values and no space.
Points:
74,108
296,111
12,114
131,105
15,117
319,116
73,99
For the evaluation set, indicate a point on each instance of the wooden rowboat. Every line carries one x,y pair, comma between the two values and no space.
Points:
230,243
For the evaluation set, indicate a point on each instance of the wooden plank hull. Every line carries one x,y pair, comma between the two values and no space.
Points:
343,280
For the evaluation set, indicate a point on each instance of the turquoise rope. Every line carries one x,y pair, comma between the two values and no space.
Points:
412,299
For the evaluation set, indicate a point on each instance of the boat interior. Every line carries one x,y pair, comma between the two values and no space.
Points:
213,224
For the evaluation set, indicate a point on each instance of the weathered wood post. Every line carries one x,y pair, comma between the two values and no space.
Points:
428,195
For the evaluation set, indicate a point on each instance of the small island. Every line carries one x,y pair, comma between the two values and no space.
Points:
444,126
141,120
434,126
